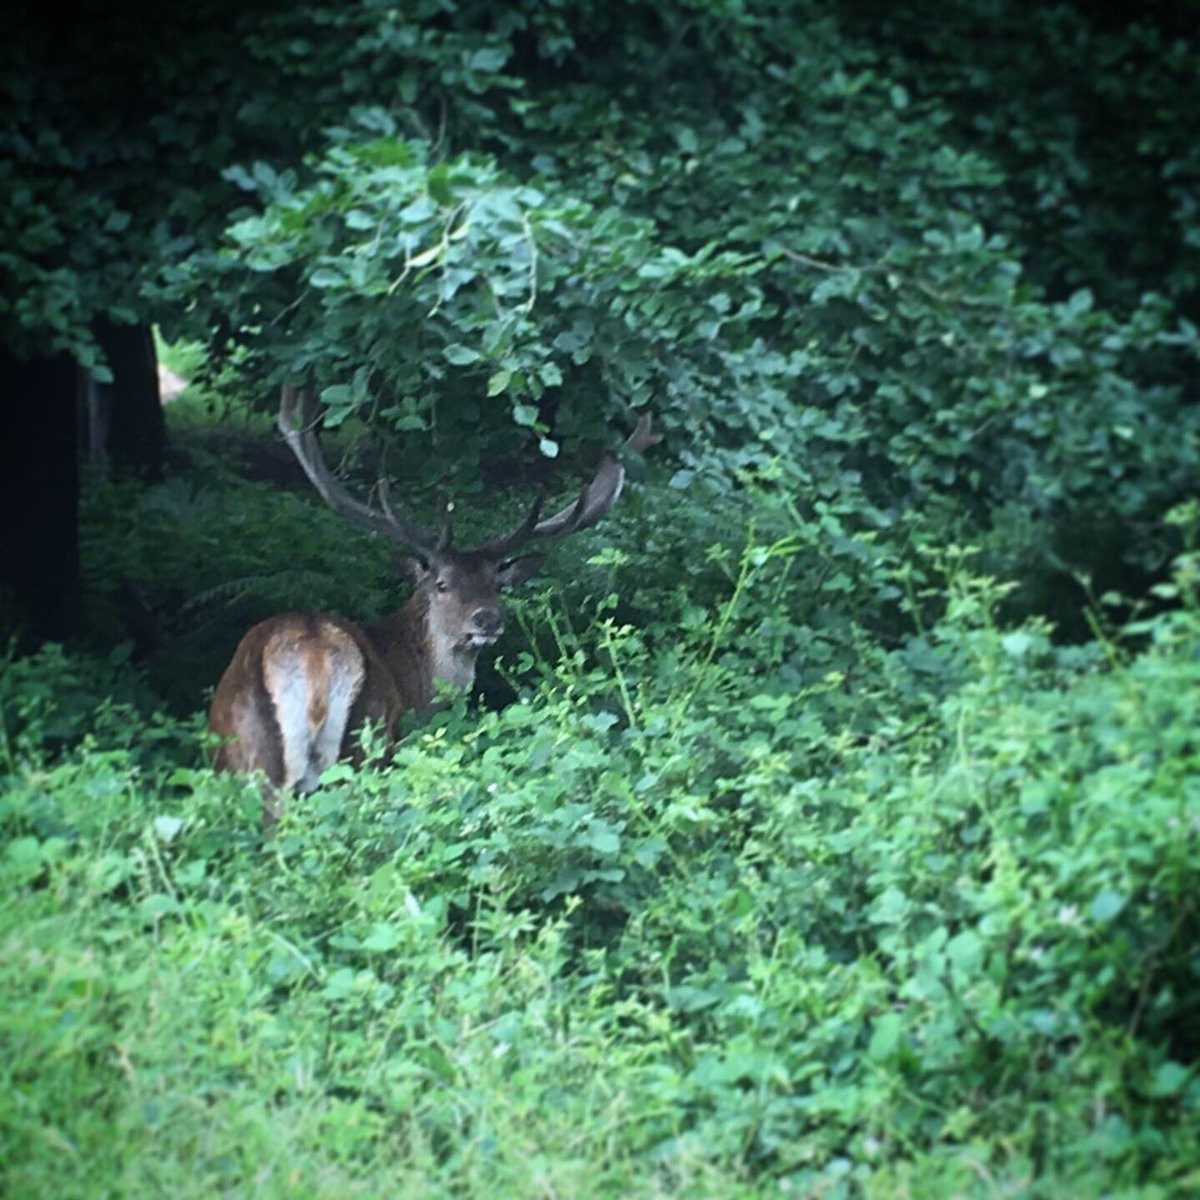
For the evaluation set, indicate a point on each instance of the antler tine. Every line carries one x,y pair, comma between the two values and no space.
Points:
505,543
445,534
297,417
642,437
596,496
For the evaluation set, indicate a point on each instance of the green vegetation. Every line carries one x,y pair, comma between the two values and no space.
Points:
828,823
716,901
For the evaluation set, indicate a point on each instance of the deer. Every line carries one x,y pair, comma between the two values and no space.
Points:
302,685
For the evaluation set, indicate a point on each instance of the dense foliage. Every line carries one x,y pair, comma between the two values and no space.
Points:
830,824
675,921
801,261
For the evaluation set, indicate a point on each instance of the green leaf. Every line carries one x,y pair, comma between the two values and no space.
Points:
1169,1079
460,355
166,828
382,938
340,400
156,905
1106,905
603,838
240,177
1017,643
340,984
489,59
498,383
437,182
885,1036
965,951
891,908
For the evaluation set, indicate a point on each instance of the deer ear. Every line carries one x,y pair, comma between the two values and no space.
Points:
516,570
410,567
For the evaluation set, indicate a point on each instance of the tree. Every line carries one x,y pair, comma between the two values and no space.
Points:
111,173
811,277
500,224
39,556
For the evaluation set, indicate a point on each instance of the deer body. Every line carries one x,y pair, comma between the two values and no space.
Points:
301,685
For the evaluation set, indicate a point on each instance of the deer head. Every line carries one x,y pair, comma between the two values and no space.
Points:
456,590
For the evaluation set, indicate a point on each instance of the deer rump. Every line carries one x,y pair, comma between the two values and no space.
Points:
315,677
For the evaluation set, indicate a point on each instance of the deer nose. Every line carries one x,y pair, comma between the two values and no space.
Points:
488,622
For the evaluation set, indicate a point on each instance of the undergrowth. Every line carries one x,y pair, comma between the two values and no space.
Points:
733,898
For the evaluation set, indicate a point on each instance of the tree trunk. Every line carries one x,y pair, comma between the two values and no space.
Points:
39,495
135,433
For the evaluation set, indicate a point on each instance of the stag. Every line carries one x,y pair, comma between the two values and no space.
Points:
301,685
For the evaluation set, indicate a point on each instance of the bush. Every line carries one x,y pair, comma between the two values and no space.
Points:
672,922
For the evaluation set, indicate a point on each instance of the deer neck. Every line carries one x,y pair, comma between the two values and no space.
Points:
423,659
451,665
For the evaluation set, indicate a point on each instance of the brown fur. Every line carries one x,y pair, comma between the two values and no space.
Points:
245,706
454,610
403,647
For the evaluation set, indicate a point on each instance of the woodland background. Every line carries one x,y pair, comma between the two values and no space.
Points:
829,821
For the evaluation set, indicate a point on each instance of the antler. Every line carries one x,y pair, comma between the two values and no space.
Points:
596,497
297,417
